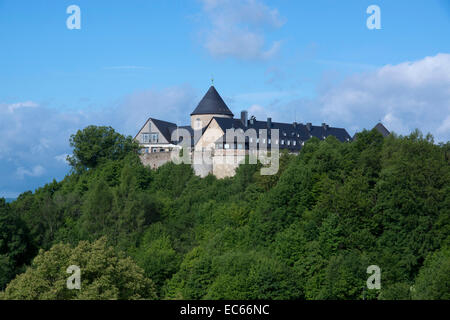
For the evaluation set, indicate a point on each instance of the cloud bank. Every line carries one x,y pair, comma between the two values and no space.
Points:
405,96
236,29
35,138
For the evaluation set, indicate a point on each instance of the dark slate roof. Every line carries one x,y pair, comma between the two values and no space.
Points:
195,134
164,127
287,131
382,129
212,103
228,123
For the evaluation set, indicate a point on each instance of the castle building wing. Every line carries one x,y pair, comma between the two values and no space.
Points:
213,110
291,135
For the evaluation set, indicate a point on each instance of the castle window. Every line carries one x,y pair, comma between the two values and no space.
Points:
145,138
269,141
227,146
289,142
198,123
282,142
154,137
294,143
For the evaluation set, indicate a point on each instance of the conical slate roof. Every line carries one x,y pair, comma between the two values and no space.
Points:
212,103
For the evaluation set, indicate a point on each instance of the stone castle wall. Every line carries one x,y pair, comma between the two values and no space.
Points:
225,162
155,160
222,164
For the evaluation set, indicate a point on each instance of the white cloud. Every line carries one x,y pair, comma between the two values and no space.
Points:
406,96
14,106
35,134
258,111
62,158
36,171
236,29
172,104
445,126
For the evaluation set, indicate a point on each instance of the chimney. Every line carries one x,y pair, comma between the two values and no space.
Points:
269,123
309,126
244,117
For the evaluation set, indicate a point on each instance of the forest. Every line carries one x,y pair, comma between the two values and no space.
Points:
307,233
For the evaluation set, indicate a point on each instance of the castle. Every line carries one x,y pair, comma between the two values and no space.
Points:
211,121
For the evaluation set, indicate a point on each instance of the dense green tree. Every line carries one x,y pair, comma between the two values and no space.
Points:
94,145
157,256
105,274
16,246
433,281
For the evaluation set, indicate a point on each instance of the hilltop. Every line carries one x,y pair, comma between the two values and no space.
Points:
308,232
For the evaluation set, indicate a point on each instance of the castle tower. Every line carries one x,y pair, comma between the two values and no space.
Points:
212,105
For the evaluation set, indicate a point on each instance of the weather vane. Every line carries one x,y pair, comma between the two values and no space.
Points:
212,80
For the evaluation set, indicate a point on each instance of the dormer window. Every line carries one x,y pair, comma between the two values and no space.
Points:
145,138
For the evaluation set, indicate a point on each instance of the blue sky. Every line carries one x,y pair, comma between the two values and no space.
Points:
310,61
